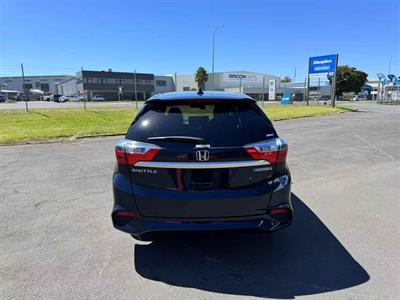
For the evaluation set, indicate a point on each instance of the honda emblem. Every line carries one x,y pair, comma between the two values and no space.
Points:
202,155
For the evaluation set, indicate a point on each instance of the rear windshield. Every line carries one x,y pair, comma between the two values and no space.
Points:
220,124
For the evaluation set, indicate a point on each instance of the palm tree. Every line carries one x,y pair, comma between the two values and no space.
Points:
201,77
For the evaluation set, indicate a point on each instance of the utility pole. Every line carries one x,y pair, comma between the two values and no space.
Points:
294,75
84,98
334,82
262,92
319,89
134,82
176,83
213,54
240,84
308,89
285,86
23,87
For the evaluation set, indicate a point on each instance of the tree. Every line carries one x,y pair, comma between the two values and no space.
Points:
201,77
349,79
286,79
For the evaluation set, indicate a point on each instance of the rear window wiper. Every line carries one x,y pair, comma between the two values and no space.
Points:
177,138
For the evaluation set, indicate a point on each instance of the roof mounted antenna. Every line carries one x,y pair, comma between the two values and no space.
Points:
200,92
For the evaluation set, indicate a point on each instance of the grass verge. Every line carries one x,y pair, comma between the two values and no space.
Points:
18,126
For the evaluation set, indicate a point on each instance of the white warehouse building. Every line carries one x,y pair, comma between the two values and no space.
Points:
45,83
227,81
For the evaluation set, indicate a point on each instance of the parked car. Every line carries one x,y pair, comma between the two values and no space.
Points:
75,98
98,98
201,161
56,98
63,99
3,98
47,98
70,98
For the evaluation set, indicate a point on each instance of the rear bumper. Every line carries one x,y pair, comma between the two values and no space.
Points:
138,224
141,225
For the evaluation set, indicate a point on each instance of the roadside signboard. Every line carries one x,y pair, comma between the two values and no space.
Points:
243,77
287,98
272,89
321,66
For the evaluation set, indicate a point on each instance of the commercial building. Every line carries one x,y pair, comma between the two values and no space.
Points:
256,85
116,85
130,86
108,84
163,84
227,81
67,87
47,84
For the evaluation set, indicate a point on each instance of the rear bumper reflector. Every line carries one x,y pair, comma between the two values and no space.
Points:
280,211
202,165
125,214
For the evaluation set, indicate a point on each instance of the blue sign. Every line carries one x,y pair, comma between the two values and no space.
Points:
287,98
320,65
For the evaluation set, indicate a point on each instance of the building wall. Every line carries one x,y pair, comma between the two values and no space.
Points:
185,83
163,84
227,81
43,83
107,84
67,88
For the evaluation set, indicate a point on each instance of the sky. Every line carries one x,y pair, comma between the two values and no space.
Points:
164,37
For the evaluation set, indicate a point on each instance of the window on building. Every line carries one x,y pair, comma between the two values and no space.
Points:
186,88
161,83
37,84
89,80
44,87
27,86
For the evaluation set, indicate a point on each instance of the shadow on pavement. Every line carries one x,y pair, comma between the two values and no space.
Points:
302,259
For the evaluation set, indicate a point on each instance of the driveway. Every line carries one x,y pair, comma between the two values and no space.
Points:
57,240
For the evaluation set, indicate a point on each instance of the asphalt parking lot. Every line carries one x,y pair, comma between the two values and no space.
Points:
57,239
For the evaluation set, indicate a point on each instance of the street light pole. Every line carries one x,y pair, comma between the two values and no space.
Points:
23,87
213,53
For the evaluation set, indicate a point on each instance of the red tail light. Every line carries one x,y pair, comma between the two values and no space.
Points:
130,152
125,214
273,151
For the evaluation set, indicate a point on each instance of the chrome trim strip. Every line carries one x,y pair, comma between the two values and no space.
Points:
202,165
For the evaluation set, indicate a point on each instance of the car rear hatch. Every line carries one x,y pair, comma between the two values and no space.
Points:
190,160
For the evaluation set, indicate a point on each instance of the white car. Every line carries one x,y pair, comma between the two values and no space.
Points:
98,98
70,98
63,99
